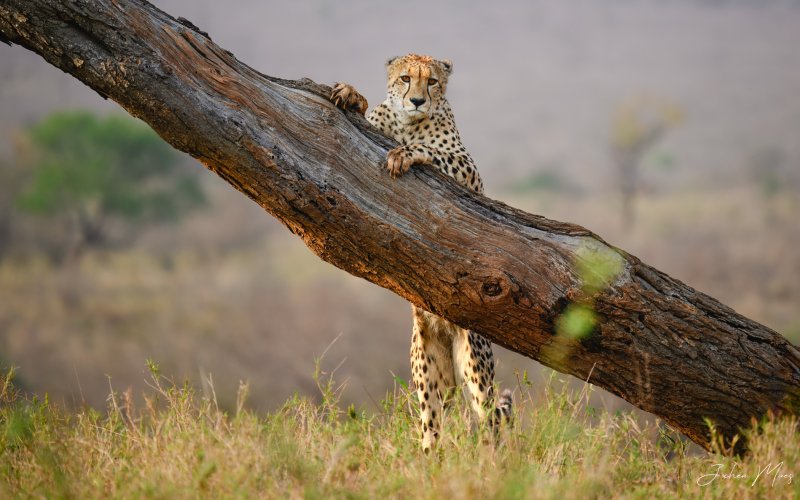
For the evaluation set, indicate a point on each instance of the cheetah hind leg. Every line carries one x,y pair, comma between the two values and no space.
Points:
474,365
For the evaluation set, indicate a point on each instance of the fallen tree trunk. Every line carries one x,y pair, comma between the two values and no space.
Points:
509,275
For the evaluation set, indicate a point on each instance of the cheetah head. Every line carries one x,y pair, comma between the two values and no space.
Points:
416,84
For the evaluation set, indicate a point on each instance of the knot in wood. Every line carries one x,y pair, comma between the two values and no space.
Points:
492,289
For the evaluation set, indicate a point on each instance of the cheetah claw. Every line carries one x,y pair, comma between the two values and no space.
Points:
346,97
398,161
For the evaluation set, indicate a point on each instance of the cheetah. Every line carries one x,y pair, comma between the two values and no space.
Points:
417,115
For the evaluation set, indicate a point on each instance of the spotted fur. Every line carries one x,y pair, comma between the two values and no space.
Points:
417,115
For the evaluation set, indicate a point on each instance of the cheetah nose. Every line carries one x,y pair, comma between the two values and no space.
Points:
417,102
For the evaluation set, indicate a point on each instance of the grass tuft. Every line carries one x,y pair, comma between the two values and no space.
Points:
179,443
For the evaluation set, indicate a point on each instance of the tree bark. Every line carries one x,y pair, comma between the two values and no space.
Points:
506,274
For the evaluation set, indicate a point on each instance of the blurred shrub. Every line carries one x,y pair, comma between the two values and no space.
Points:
10,181
766,167
87,171
596,267
542,181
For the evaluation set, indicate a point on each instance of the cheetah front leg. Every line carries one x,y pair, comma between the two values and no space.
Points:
456,165
432,373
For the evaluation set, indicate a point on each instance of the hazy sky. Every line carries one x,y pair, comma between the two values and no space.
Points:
535,82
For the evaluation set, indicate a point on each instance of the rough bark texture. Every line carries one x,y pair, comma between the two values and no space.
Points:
509,275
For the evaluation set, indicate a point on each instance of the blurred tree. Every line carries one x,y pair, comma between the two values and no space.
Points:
91,169
637,125
12,178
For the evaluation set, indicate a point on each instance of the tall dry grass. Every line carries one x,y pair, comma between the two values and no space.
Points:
179,443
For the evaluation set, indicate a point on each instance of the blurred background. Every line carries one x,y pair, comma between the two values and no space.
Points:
671,129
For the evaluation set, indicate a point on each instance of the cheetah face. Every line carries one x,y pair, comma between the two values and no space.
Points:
416,84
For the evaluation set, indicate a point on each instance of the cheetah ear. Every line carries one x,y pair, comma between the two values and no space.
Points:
391,60
446,65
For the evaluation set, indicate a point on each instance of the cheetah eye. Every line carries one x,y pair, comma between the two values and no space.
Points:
432,81
405,78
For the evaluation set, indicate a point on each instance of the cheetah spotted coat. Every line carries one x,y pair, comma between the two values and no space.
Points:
418,116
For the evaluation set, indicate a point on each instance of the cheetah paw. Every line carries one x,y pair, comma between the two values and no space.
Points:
347,97
398,161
